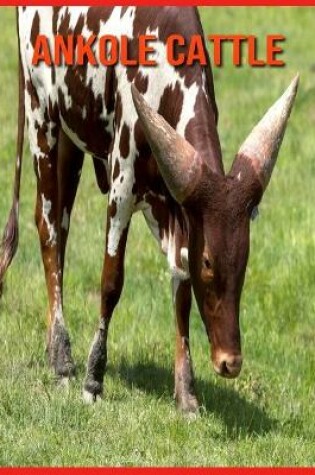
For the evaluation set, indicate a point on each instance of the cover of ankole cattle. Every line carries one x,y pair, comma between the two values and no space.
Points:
157,264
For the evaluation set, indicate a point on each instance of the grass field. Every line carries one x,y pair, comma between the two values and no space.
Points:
266,416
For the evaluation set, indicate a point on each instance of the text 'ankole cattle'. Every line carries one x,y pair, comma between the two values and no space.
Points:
152,133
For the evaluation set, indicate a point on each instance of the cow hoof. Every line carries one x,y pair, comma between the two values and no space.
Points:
60,353
92,391
188,405
65,370
64,382
90,398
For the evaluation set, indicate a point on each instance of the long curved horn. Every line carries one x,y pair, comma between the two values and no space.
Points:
262,145
178,161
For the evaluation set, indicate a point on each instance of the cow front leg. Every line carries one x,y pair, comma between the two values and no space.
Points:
111,286
184,377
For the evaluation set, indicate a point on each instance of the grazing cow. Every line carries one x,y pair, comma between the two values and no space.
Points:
153,136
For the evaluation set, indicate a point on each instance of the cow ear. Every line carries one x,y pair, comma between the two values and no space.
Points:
259,152
178,162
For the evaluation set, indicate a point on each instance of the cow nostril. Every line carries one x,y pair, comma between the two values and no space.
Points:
228,366
223,368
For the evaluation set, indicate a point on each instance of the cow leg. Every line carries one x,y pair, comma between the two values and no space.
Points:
70,162
163,224
118,220
55,193
184,377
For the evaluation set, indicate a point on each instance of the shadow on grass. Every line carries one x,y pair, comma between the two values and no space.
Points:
241,417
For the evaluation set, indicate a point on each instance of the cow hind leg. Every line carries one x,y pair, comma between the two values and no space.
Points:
184,394
70,162
56,187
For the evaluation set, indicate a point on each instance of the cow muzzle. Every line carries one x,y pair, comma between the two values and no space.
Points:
227,365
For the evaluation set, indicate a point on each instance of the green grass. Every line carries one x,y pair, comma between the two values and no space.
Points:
266,417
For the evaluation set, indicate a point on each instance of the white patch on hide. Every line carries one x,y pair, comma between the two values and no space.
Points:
50,226
184,259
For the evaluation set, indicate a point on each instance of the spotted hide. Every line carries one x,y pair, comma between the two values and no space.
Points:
152,133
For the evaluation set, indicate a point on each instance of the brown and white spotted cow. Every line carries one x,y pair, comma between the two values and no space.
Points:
152,132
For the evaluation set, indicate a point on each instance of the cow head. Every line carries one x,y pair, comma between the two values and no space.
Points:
218,209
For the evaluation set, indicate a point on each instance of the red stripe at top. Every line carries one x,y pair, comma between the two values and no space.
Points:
164,3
